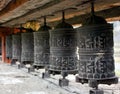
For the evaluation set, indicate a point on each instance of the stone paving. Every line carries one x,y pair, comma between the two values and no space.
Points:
18,81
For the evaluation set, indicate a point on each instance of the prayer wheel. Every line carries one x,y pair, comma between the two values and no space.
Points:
96,59
41,47
27,41
63,47
9,46
16,47
96,51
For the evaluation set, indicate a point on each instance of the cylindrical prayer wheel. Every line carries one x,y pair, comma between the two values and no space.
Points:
16,47
9,46
41,47
27,54
96,52
63,49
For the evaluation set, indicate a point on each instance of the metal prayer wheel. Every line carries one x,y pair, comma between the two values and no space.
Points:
41,47
27,54
9,46
16,47
63,47
96,52
63,51
96,59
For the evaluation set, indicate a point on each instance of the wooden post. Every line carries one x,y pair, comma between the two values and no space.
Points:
3,33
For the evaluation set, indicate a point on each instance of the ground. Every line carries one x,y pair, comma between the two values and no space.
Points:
18,81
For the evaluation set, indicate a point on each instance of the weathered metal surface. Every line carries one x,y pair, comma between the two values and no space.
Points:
95,45
41,48
16,44
9,46
63,46
27,46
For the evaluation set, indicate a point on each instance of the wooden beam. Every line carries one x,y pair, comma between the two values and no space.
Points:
108,13
47,5
12,5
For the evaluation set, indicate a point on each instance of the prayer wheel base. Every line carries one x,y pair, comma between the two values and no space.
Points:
96,91
63,82
109,81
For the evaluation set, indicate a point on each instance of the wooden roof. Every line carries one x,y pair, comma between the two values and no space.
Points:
16,12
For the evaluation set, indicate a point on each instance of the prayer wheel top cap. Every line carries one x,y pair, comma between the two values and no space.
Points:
94,20
22,28
29,30
63,25
44,28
